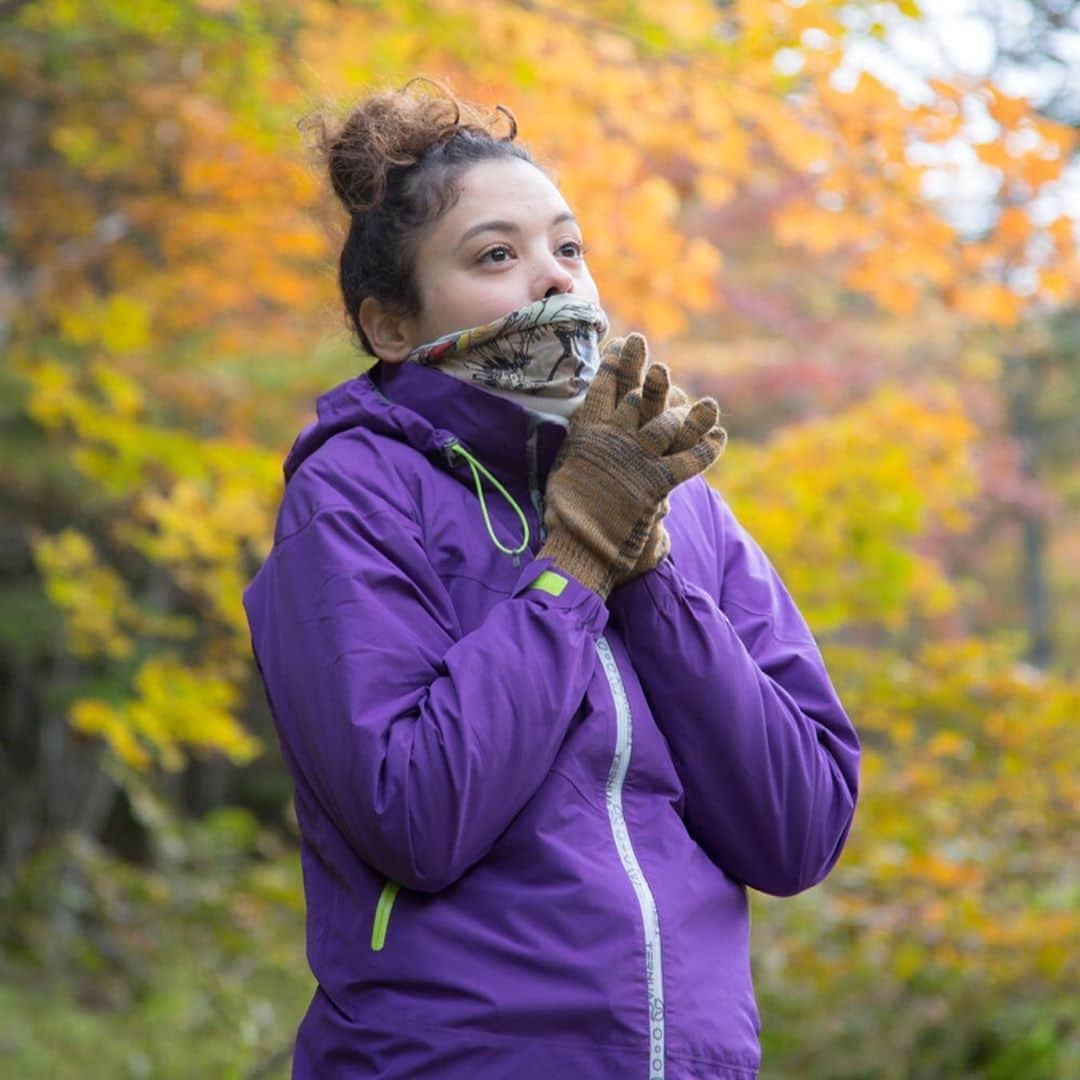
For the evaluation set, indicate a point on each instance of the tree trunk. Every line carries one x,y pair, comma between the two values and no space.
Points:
1034,587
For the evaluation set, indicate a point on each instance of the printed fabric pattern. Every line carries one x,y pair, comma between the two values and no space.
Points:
550,348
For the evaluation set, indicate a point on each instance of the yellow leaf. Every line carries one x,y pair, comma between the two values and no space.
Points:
1056,283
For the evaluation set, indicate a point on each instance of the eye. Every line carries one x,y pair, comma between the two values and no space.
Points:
580,248
491,251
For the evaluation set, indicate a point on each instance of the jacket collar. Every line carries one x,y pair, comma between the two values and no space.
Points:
429,409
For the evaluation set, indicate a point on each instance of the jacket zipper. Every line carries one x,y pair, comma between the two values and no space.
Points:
534,475
382,914
620,763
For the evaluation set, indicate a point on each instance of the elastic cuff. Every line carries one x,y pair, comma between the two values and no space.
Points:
543,582
572,559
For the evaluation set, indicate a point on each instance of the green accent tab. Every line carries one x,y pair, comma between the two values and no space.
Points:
550,582
382,914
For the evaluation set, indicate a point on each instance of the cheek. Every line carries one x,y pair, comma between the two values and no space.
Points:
456,305
586,283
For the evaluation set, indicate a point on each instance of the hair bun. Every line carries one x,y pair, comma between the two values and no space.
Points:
393,129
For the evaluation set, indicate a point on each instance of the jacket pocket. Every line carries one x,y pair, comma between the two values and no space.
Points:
382,914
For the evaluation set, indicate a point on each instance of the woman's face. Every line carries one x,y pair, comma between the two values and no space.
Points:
508,241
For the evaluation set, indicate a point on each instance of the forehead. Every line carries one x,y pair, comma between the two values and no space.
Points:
514,190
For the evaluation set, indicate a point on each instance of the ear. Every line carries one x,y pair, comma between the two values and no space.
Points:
390,335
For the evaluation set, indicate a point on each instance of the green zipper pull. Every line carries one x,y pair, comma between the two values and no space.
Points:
382,914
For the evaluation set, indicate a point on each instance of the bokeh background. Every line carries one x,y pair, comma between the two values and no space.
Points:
853,223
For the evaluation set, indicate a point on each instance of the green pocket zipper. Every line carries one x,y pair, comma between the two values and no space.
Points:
382,914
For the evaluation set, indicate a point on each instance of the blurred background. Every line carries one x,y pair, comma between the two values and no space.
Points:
853,223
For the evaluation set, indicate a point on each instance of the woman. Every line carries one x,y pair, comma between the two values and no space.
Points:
548,708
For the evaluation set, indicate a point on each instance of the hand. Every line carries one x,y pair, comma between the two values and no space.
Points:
658,394
613,470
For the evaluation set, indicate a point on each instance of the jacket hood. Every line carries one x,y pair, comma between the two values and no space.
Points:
430,410
360,402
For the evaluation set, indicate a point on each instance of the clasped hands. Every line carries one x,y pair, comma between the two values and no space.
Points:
634,438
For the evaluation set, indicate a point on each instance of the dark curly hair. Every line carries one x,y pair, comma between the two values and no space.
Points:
396,163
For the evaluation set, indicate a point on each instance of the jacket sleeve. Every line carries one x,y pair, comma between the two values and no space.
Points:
768,758
420,742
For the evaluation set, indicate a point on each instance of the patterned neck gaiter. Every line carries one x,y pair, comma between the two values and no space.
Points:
542,356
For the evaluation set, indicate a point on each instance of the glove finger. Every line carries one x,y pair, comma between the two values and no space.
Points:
611,349
621,363
699,457
677,396
704,414
717,437
632,359
654,392
663,546
603,393
656,436
628,414
634,543
688,434
656,549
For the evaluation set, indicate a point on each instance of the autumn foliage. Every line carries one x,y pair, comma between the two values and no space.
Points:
169,310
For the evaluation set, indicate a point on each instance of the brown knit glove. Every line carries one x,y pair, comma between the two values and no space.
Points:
658,393
612,470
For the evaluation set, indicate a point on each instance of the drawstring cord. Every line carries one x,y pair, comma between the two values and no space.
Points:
475,465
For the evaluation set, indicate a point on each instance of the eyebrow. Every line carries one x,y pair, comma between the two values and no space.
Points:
509,226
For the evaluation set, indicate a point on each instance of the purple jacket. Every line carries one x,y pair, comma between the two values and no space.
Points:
528,819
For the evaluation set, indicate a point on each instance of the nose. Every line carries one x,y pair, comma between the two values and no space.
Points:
554,279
